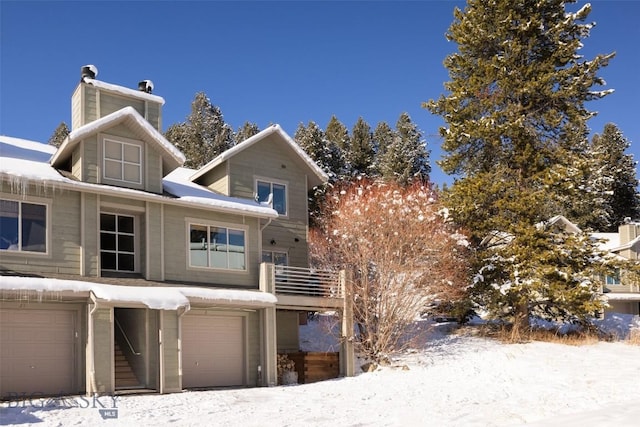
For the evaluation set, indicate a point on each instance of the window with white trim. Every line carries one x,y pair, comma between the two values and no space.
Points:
217,247
23,226
122,161
613,279
117,242
278,192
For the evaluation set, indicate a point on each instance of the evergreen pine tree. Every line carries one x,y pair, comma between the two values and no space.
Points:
613,179
361,153
407,158
246,131
58,136
383,137
515,128
337,135
326,154
204,135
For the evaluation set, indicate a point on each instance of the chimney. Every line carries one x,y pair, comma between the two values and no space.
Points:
88,71
145,86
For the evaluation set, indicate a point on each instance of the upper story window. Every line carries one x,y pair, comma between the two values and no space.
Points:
117,242
613,279
122,161
23,226
277,190
217,247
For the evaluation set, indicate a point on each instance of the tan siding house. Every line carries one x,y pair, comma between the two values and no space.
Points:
142,275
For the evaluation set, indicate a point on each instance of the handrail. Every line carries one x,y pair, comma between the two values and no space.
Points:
126,338
307,282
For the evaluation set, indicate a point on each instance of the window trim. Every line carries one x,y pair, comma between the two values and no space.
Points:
104,138
47,203
136,242
272,181
228,226
615,279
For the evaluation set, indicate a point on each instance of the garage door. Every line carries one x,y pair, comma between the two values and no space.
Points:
37,351
212,351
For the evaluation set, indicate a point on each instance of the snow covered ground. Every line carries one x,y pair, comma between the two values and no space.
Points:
451,380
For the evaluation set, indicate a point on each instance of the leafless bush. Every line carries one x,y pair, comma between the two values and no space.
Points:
401,251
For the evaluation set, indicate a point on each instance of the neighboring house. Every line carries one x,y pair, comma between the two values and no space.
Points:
621,291
122,270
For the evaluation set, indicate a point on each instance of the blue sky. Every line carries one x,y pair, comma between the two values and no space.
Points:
269,62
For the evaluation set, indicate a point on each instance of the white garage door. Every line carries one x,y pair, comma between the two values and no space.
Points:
37,351
212,351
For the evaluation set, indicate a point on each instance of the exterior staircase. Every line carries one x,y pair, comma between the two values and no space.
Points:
125,376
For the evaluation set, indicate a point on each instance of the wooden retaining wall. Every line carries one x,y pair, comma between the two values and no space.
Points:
316,366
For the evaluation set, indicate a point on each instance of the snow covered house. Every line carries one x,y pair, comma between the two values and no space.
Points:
122,270
621,290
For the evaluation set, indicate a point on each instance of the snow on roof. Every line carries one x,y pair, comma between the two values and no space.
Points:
608,241
317,171
154,297
569,226
178,184
619,296
125,90
22,161
112,119
230,295
22,158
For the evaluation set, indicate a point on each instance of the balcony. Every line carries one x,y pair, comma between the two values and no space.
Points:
303,288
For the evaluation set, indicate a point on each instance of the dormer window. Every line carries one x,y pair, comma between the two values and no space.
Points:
122,161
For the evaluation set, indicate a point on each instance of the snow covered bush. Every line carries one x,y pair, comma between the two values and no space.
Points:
402,254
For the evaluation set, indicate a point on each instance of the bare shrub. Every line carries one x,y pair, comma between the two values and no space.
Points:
402,254
634,337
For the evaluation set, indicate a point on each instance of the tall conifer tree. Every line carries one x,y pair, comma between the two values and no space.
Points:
204,135
515,125
361,152
246,131
406,159
58,136
613,179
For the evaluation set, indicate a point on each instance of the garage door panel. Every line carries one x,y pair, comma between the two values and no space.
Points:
38,351
213,351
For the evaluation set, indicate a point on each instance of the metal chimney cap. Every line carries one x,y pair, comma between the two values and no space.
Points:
90,71
145,86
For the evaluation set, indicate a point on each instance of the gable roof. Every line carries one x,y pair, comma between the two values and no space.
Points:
23,161
317,175
563,222
129,117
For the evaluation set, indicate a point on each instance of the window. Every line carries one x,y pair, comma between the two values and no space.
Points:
122,161
275,257
216,247
23,226
613,279
278,192
117,242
